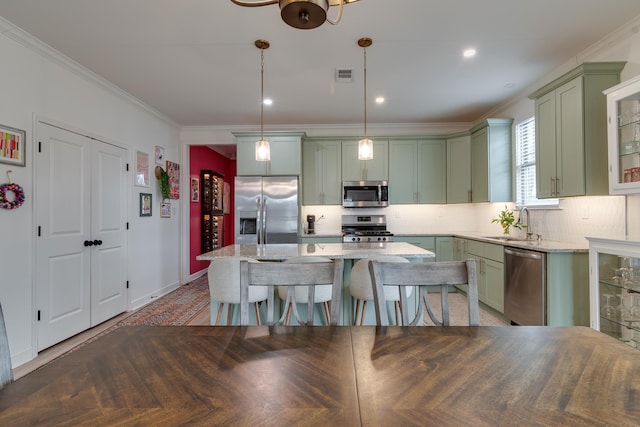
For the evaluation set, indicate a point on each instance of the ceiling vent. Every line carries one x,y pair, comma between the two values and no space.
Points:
344,75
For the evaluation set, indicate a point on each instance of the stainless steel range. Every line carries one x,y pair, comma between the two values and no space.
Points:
365,228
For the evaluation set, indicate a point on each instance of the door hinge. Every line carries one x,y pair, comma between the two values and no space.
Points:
38,315
39,230
127,284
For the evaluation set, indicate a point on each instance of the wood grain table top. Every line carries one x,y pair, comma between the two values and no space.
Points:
342,376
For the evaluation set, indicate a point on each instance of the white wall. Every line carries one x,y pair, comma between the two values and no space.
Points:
35,81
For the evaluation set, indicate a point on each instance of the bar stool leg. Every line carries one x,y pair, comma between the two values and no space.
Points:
364,309
220,307
327,313
257,307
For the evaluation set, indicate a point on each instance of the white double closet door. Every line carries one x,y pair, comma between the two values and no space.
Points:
81,243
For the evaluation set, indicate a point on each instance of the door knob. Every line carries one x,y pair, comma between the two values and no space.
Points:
88,243
97,242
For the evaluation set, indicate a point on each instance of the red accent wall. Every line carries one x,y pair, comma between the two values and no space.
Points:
204,158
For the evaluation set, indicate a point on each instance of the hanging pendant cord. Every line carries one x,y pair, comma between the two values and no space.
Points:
365,92
261,94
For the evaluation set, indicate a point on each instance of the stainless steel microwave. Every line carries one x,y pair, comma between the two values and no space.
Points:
365,194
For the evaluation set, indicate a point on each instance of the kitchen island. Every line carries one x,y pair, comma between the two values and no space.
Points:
349,252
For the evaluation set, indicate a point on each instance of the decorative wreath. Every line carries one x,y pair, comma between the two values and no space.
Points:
18,196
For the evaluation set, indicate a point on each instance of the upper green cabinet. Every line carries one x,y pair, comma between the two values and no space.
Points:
365,170
491,161
571,131
286,154
459,168
321,172
417,171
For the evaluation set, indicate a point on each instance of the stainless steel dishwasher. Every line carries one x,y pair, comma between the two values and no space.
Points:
525,287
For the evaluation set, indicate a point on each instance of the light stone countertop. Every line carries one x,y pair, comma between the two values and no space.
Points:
542,245
279,252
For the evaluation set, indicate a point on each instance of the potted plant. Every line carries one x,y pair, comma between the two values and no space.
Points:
163,180
506,219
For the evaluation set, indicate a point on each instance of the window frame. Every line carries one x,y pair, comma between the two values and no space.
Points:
525,168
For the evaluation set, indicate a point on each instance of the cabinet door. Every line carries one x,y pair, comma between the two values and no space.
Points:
494,284
570,173
459,169
365,170
321,169
545,111
444,249
403,172
246,163
285,156
432,171
480,166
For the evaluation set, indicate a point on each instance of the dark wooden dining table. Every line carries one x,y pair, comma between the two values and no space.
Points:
342,376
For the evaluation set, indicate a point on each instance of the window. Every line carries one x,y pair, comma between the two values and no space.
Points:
526,166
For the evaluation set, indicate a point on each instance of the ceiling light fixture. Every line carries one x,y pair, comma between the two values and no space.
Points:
365,145
263,151
302,14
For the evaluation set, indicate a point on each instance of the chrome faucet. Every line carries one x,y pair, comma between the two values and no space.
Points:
527,224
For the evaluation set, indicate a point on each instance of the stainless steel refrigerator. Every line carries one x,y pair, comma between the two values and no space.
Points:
266,209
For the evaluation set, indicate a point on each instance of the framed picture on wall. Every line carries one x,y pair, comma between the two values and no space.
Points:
165,210
12,146
195,190
159,155
145,204
142,169
173,170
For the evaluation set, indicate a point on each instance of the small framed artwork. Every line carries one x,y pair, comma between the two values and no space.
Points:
12,146
159,155
145,204
165,210
173,170
195,190
142,169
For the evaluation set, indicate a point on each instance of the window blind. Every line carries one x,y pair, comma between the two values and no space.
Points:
526,166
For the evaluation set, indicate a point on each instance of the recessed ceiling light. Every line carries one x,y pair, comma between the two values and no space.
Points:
469,53
380,100
267,101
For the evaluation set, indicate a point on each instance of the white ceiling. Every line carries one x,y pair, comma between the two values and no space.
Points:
195,60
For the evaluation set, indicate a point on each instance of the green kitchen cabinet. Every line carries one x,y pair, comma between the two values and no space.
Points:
321,172
286,154
571,131
417,171
459,249
491,161
309,238
365,170
444,248
459,168
422,241
490,270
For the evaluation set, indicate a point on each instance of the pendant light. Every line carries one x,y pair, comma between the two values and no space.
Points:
365,145
263,151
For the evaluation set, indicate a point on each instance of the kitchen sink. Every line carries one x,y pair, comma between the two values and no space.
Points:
509,238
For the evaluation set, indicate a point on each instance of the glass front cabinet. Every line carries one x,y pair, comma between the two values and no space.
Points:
614,288
623,134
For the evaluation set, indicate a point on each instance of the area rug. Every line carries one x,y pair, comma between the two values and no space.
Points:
176,308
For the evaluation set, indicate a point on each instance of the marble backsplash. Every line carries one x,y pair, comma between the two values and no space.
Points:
572,221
